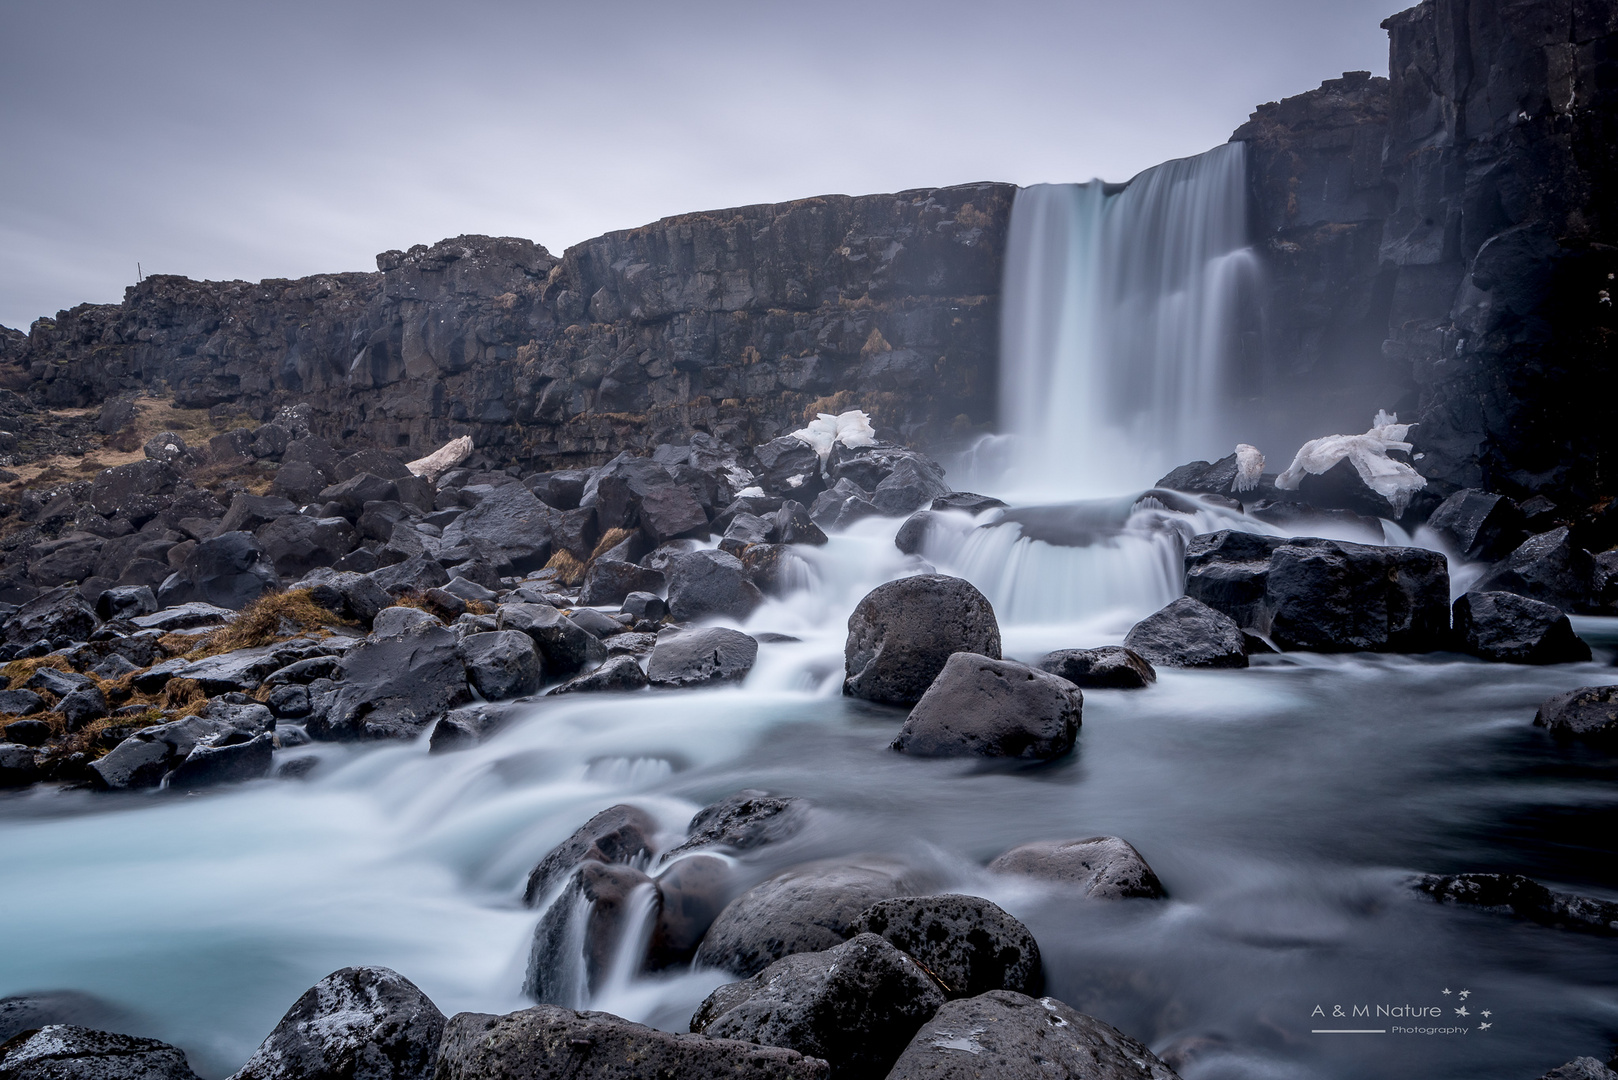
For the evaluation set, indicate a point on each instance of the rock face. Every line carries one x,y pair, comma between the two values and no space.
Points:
1188,633
1323,595
1590,712
551,1043
64,1052
1104,867
993,708
855,1006
1507,628
1014,1037
902,633
359,1023
968,944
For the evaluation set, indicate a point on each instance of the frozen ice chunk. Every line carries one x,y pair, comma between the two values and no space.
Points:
1249,467
852,428
1393,480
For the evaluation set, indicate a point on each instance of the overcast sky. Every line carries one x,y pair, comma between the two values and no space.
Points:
222,139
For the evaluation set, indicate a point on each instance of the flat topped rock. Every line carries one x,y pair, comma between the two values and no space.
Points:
64,1052
1103,867
1189,633
185,617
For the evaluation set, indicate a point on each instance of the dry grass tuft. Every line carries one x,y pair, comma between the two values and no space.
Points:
271,617
20,671
569,570
613,538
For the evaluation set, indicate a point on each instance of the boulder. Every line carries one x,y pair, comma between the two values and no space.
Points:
617,673
512,520
982,707
19,765
746,820
243,669
502,664
188,616
565,647
914,483
373,461
855,1005
349,496
576,532
64,1052
1188,633
1549,567
619,834
83,705
598,623
562,489
249,513
300,481
170,449
808,908
60,683
841,505
1581,1068
692,891
701,657
395,686
902,633
608,898
912,535
1483,526
788,466
358,1023
610,581
58,616
1503,627
414,576
1524,898
230,571
345,594
1111,667
1590,712
971,946
791,524
669,511
231,759
25,732
707,583
1103,867
548,1042
136,492
126,602
296,544
1011,1036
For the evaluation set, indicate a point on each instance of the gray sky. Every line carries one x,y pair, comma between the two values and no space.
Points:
223,139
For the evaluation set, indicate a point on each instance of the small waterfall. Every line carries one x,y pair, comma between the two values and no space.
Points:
1120,322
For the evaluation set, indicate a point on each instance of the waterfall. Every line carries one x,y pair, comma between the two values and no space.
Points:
1121,319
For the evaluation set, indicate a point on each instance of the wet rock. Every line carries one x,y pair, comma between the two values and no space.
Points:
708,583
249,513
1503,627
230,571
971,946
19,766
1484,526
692,892
644,606
135,492
552,1043
617,673
59,616
149,755
746,820
855,1005
965,500
1549,567
791,524
903,632
669,511
1111,667
345,594
244,669
394,687
808,908
25,1012
1188,633
1590,712
914,483
60,683
1011,1036
502,664
788,466
1103,867
296,544
414,576
607,898
993,708
25,732
610,581
701,657
512,520
224,762
564,646
913,533
1523,897
126,602
82,706
358,1023
291,702
596,622
64,1052
619,834
187,616
841,505
1581,1068
349,496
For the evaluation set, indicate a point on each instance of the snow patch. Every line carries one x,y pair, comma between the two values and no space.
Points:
852,428
1393,480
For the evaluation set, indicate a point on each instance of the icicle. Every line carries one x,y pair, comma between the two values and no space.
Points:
1393,480
1249,467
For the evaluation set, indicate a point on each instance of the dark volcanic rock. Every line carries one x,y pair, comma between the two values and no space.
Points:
150,754
700,657
59,616
359,1023
1548,567
746,820
1590,712
296,544
617,673
63,1052
1523,897
1582,1068
230,570
808,908
619,834
1507,628
395,686
1104,867
610,581
692,892
1010,1036
1188,633
993,708
224,762
511,519
708,583
126,602
603,896
855,1005
551,1043
902,633
1111,667
968,944
346,594
1484,526
564,646
502,664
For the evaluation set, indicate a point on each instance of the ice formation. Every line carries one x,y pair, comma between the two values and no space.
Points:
852,428
443,459
1393,480
1249,467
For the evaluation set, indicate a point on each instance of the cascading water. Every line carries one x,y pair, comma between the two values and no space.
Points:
1120,322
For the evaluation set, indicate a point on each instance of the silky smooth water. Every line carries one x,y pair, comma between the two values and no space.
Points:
1282,806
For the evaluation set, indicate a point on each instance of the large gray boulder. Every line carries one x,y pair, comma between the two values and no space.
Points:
903,632
230,570
808,908
395,686
856,1005
1590,712
65,1052
1010,1036
619,673
565,646
1102,867
296,543
702,657
552,1043
980,707
359,1023
1188,633
144,758
704,584
1549,567
741,822
57,616
511,519
1506,628
502,664
1484,526
967,943
1110,667
610,581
